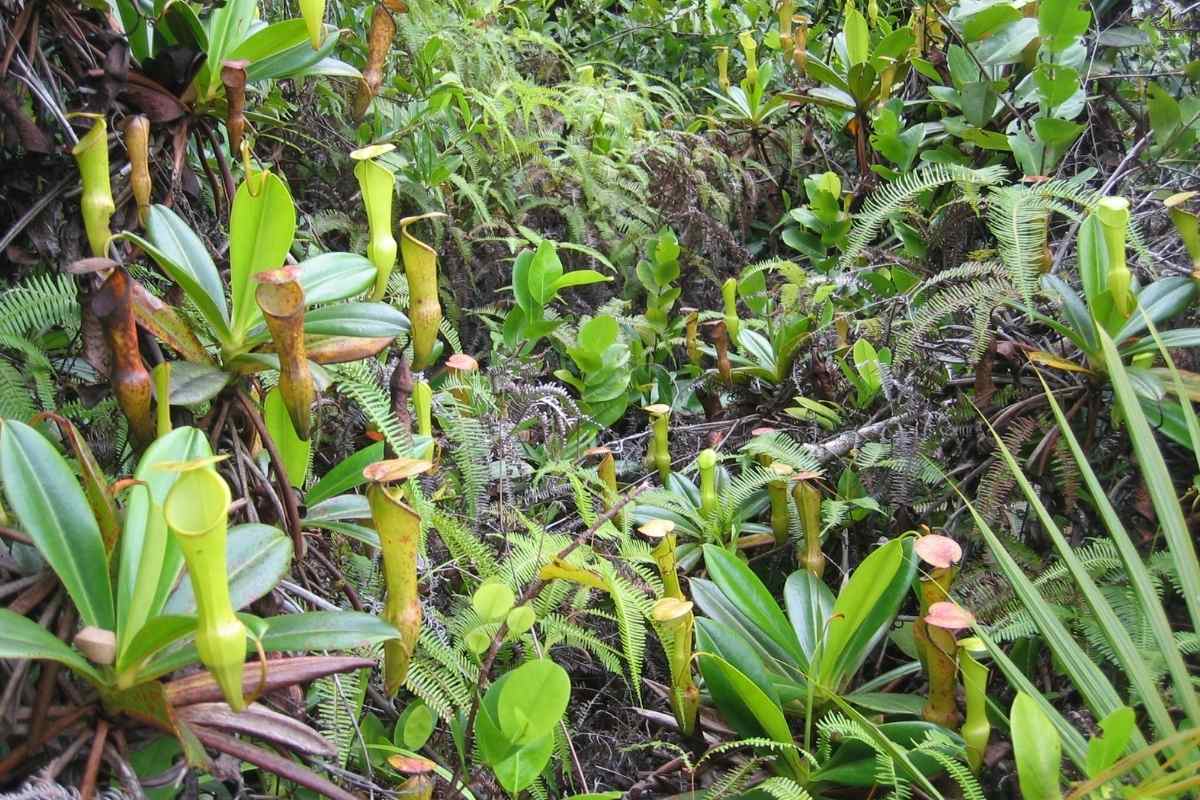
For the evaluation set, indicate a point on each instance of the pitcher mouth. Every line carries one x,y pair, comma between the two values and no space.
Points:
198,502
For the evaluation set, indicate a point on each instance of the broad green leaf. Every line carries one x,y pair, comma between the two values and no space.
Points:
1106,747
748,594
520,283
1056,132
414,727
809,607
989,19
180,244
345,476
1005,45
282,49
1037,750
21,637
515,766
365,320
150,559
46,498
267,40
261,227
192,383
258,557
313,631
492,601
858,37
158,632
544,272
181,26
579,277
293,450
599,333
864,610
1161,301
1061,23
533,700
340,507
766,713
890,703
715,605
1172,339
227,26
1165,116
334,68
335,276
721,640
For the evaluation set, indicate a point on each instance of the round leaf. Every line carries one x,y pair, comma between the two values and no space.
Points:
533,700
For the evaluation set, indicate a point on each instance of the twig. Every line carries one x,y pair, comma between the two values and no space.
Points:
21,753
88,786
840,445
285,489
531,591
343,584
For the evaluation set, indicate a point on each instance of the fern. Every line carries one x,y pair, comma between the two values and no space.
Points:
339,705
38,303
975,288
894,196
357,381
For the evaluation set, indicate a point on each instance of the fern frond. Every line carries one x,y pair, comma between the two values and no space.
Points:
894,196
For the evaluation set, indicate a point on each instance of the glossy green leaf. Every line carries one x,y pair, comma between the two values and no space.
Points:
258,557
579,277
864,610
809,604
227,27
743,588
532,701
282,49
1006,44
192,383
1109,744
49,504
293,450
520,282
158,632
330,277
767,714
345,476
21,637
989,19
313,631
714,604
1161,301
261,227
1061,23
366,320
492,601
150,559
414,727
858,36
1037,751
544,271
